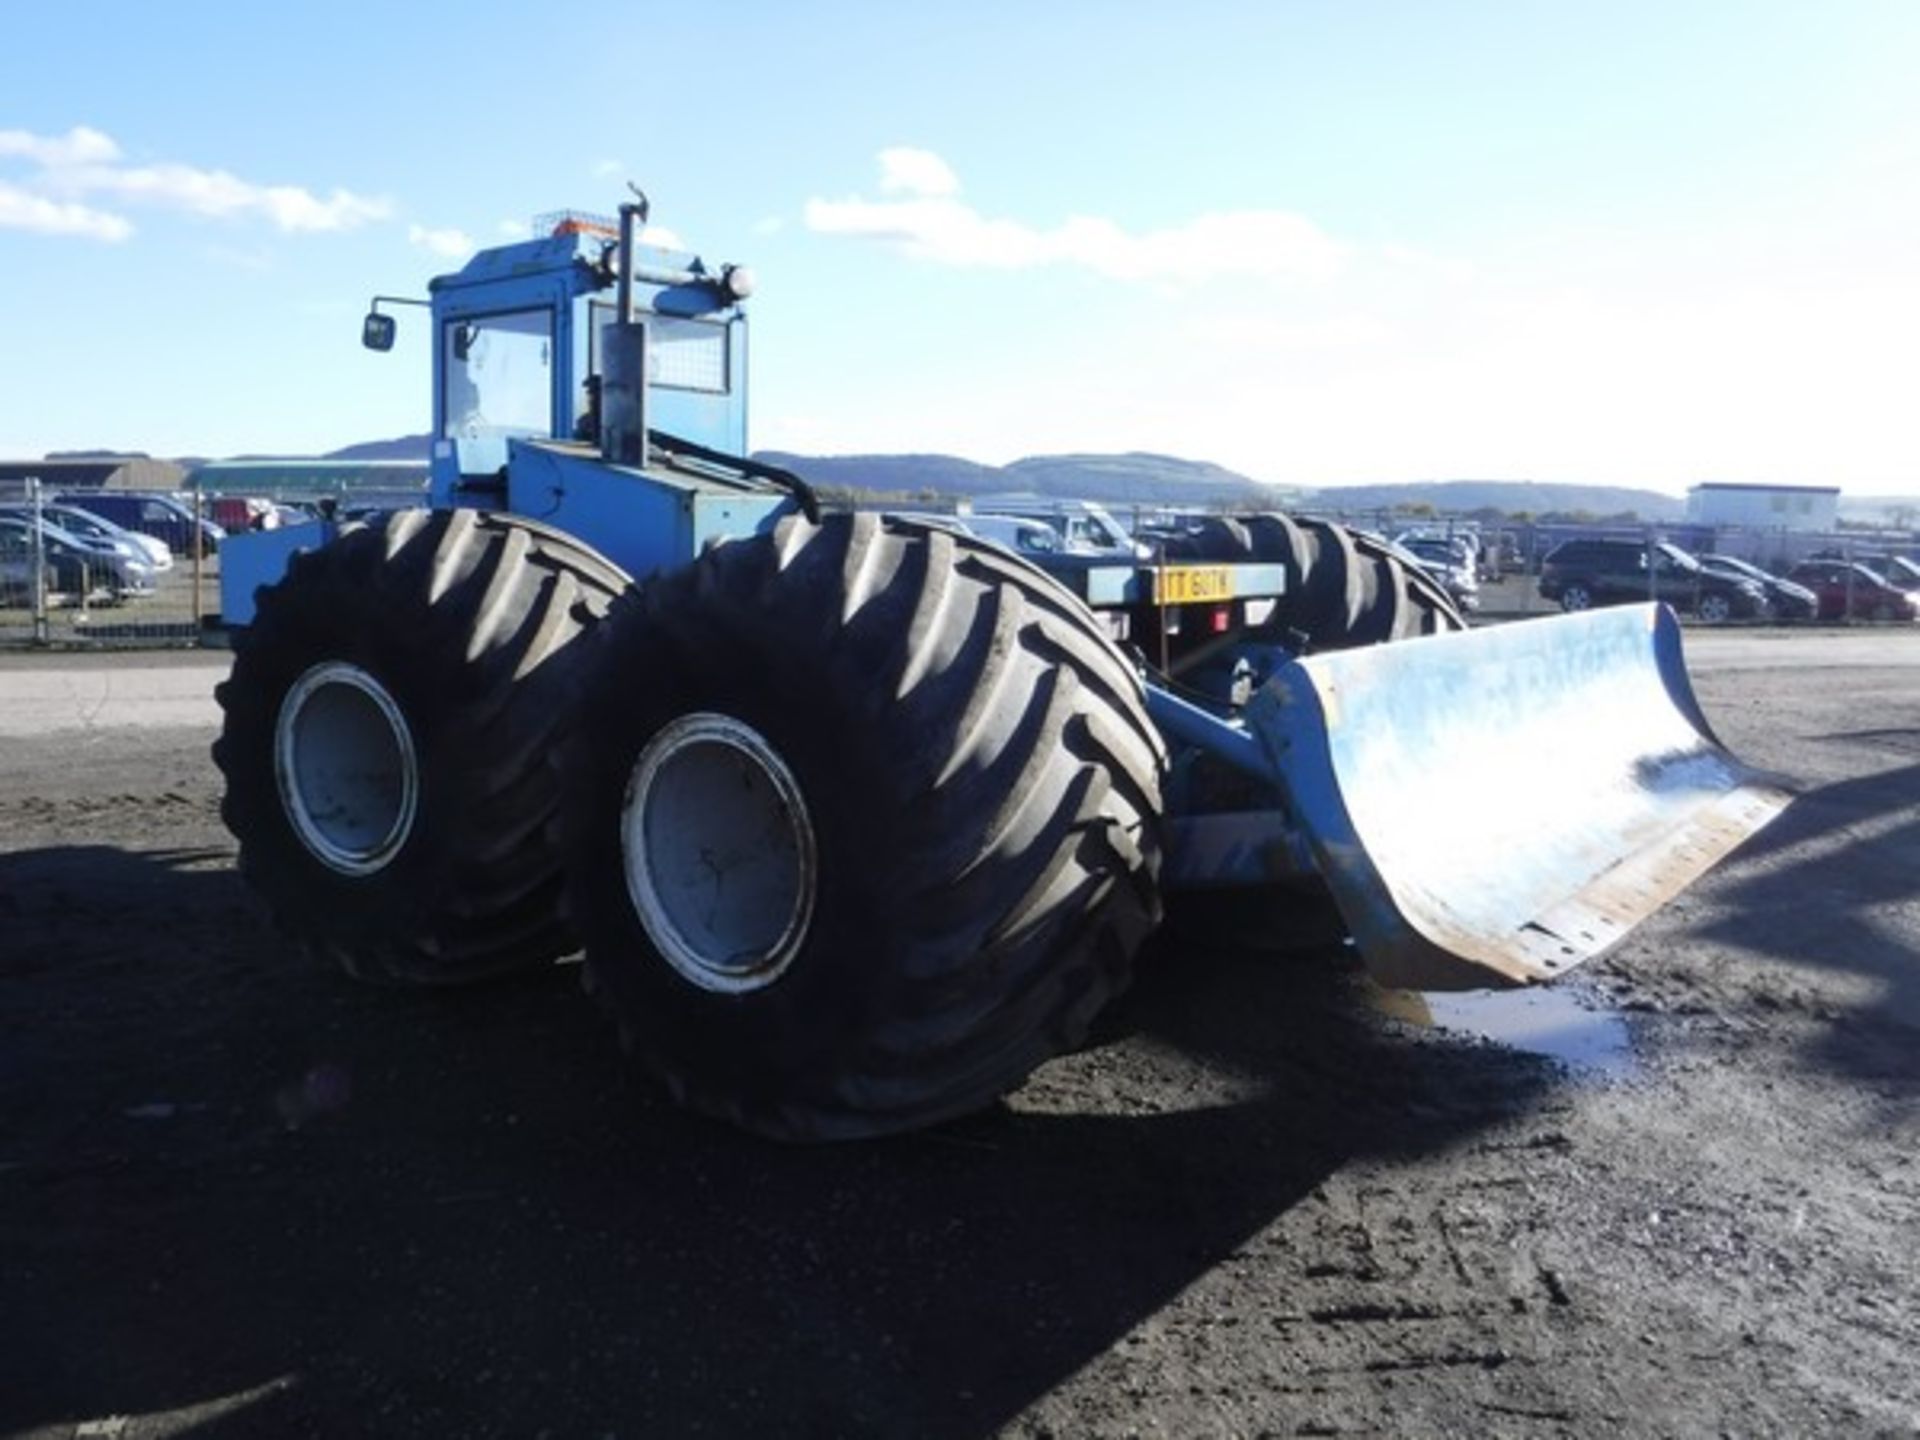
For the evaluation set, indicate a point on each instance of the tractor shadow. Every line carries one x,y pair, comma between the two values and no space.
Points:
1824,888
252,1198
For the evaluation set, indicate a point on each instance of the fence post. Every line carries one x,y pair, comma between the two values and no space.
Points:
199,549
42,629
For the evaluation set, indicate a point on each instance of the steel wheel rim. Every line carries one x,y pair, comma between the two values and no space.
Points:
718,851
346,768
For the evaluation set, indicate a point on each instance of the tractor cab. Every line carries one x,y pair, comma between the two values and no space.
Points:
522,340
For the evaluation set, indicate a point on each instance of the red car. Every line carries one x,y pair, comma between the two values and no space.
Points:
239,513
1853,592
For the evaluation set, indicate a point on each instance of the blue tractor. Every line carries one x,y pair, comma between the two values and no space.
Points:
858,818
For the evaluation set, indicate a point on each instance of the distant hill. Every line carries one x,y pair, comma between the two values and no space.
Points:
890,474
1898,510
1533,497
1115,479
404,447
1132,479
1139,478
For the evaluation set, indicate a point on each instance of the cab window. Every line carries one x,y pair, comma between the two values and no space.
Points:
498,374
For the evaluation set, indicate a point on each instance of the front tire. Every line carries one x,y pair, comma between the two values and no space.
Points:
863,823
1576,597
389,721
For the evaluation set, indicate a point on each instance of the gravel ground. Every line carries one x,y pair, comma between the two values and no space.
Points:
241,1197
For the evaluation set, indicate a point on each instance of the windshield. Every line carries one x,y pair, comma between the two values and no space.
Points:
499,374
1678,559
55,536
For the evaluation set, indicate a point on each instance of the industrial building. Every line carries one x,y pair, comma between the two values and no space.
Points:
94,472
1765,507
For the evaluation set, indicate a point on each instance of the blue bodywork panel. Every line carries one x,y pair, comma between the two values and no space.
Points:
643,521
259,558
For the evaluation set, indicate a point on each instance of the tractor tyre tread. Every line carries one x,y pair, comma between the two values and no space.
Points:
471,621
979,768
1346,589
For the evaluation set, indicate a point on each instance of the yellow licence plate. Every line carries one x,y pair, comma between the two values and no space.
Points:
1192,584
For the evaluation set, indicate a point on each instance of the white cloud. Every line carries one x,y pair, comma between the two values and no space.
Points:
906,171
513,229
453,244
934,225
606,169
662,237
79,146
85,162
220,195
20,210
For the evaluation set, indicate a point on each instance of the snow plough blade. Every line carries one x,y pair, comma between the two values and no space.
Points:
1495,807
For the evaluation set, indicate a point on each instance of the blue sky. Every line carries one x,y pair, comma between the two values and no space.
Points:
1322,243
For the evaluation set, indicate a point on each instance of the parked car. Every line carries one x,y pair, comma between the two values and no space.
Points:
1899,572
16,575
1852,591
1010,532
1468,545
1451,562
1084,527
153,514
239,513
148,550
71,565
1787,600
1579,574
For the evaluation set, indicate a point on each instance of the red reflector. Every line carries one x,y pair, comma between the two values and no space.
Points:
1222,619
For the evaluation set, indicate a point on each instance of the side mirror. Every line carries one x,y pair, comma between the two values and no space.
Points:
376,331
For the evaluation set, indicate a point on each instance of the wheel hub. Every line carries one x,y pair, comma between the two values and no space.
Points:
719,853
345,764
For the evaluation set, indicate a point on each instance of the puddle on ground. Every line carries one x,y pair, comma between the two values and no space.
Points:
1561,1022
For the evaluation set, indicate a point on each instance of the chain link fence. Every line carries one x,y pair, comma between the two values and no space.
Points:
117,568
1510,554
142,568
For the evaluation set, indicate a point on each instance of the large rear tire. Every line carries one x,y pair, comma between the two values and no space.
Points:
389,724
1343,588
863,823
